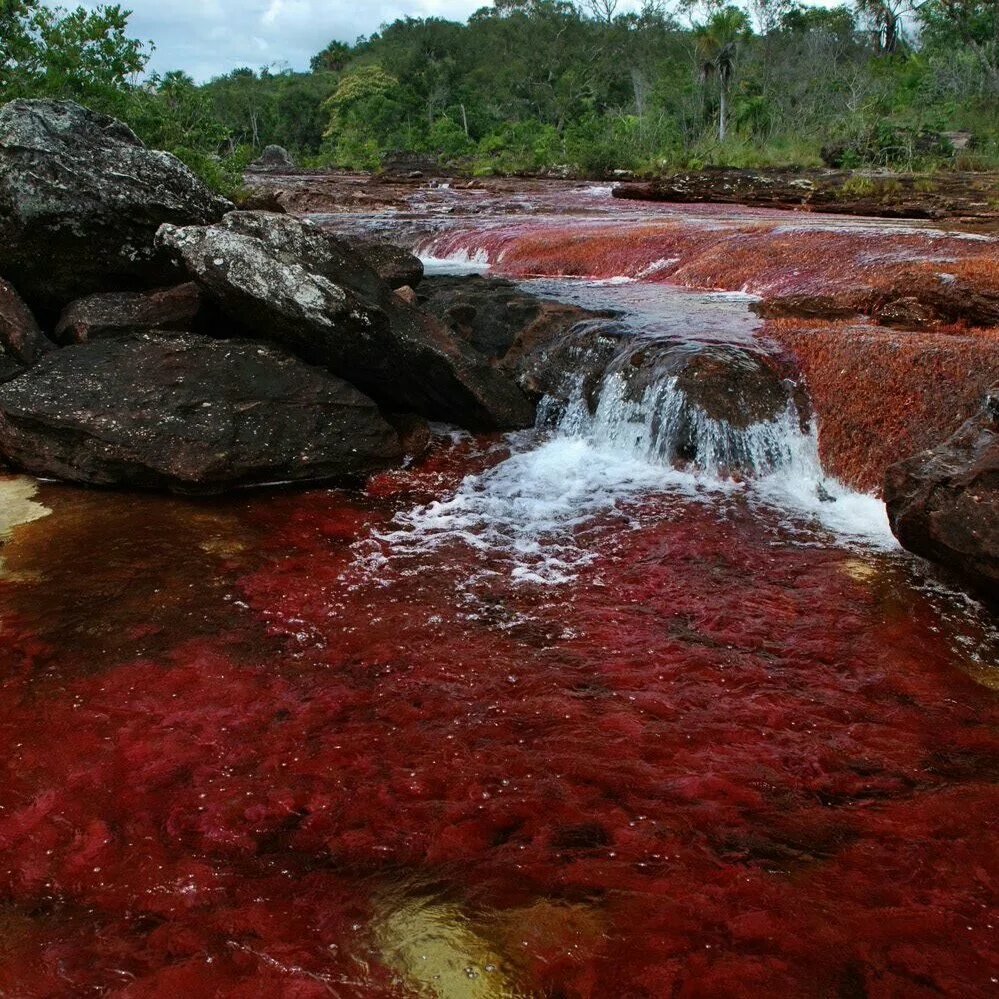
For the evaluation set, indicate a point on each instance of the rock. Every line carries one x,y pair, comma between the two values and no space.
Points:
290,282
408,295
728,384
943,503
81,199
20,336
914,298
498,318
190,414
881,195
489,313
259,199
572,364
396,266
9,368
114,313
274,159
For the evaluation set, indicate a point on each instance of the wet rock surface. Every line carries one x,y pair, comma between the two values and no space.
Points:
190,414
114,313
81,199
943,503
21,339
913,298
292,283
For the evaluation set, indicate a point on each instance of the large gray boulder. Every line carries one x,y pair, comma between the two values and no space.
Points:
81,199
288,281
943,503
189,413
274,159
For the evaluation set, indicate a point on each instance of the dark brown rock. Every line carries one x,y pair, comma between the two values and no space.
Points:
880,195
290,282
396,266
259,199
114,313
81,199
943,503
190,414
20,336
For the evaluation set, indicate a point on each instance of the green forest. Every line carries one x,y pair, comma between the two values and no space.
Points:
538,86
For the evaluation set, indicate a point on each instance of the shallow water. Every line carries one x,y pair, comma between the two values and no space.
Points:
537,717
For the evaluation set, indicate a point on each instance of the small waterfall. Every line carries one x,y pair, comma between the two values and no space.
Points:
664,426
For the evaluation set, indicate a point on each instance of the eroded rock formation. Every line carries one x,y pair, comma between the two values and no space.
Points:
289,282
113,313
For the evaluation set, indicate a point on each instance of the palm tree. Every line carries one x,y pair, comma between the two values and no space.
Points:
718,44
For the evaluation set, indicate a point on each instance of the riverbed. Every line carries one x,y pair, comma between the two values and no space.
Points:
540,715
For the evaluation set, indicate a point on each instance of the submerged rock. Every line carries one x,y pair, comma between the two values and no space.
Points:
20,336
81,199
190,414
113,313
943,503
289,282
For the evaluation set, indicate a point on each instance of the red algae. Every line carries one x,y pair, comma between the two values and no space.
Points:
883,395
723,763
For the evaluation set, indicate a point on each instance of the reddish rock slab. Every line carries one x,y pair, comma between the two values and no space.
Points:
943,503
880,394
110,314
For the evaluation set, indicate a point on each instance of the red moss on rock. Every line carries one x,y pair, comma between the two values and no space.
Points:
882,395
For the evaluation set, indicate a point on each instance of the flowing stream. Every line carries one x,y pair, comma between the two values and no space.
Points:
636,703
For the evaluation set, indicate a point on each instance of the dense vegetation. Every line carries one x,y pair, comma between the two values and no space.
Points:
532,85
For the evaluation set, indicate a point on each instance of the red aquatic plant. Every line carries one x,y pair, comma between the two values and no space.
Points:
722,763
882,395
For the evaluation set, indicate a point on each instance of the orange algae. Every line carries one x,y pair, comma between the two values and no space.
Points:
882,395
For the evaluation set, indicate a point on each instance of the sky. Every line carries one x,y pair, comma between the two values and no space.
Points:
208,37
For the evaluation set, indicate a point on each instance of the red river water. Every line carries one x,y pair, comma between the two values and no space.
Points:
537,717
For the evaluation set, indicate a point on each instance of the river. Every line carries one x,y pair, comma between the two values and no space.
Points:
551,714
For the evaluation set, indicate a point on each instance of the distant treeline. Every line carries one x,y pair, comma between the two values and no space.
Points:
540,85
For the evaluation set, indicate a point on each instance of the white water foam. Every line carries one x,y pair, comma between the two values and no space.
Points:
459,263
524,515
524,512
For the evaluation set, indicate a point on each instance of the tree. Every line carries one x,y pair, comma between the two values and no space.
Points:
885,17
81,54
969,24
718,44
332,59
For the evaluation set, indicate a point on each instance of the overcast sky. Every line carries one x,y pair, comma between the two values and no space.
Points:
209,37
